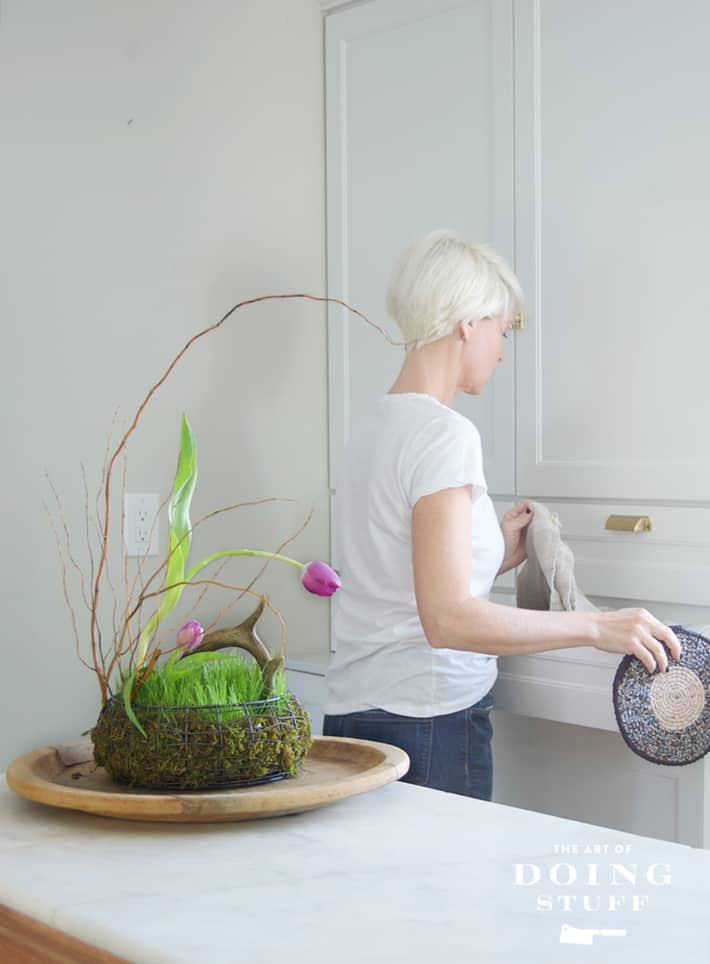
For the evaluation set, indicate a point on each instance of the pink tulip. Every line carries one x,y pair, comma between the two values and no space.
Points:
190,636
320,579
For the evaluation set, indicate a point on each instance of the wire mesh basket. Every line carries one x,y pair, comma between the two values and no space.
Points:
203,747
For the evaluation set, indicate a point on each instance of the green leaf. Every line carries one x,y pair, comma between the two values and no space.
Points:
127,687
179,535
172,659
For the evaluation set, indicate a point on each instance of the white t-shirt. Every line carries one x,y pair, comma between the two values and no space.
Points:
410,445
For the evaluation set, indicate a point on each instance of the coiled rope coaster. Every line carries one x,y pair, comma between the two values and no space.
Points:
665,717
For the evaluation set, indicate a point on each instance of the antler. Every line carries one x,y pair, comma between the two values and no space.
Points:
244,636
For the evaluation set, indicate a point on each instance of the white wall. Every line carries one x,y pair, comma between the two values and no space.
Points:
159,162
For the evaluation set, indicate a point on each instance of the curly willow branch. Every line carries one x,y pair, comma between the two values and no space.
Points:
103,682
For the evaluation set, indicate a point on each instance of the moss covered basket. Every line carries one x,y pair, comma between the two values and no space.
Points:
254,734
202,747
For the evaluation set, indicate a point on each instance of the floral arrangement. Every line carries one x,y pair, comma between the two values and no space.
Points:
126,665
317,577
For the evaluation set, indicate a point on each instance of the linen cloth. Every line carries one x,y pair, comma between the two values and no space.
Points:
546,579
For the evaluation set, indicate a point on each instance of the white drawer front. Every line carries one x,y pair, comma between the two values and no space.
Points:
671,563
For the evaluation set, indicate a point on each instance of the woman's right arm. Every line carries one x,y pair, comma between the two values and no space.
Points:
453,619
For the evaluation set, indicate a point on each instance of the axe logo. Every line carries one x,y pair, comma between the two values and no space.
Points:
586,935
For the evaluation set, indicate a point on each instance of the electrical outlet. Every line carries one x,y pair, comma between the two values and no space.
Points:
141,535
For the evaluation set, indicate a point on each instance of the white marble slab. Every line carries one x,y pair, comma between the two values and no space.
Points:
403,873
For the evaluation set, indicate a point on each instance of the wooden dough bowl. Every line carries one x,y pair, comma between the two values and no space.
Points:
334,768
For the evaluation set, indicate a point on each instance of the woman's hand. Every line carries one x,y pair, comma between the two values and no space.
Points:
513,526
637,632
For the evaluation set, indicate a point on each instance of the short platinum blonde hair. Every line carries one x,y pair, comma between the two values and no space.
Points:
441,280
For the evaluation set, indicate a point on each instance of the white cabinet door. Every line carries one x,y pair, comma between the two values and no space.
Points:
573,137
612,242
419,133
419,128
309,690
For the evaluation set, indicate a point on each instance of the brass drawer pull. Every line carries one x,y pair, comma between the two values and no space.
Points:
628,523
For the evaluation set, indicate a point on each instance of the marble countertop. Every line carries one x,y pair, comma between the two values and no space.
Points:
400,873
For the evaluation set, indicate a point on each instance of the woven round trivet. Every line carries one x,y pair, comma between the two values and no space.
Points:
665,717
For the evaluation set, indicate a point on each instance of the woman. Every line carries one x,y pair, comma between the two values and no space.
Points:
420,544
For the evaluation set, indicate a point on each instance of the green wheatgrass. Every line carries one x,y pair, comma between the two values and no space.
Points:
206,679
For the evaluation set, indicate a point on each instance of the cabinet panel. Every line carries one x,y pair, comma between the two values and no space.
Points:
309,690
612,234
419,136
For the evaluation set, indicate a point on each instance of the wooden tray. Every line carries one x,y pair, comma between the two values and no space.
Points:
334,768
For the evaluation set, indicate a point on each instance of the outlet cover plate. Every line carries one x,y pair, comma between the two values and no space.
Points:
141,524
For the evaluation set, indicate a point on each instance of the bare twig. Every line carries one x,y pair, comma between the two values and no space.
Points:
70,556
72,613
104,464
141,409
95,635
87,521
127,596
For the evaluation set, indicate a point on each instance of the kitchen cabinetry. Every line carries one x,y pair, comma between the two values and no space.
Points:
571,137
306,682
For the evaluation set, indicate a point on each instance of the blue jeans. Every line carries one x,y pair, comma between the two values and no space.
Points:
449,752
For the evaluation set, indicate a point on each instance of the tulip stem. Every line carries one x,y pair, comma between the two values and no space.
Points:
240,552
